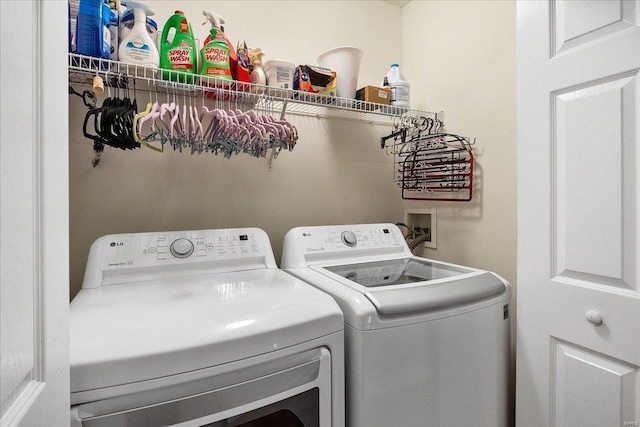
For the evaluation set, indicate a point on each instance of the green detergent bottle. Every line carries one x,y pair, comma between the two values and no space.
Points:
215,55
178,50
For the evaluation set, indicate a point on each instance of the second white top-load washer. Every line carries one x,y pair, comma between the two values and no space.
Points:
427,343
198,328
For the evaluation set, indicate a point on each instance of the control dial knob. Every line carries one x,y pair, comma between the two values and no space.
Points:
181,248
349,238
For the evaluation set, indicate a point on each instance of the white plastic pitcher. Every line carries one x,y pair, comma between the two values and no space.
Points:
345,61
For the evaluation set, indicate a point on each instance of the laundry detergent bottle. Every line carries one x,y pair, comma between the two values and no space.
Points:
178,49
137,47
127,22
92,32
400,88
215,56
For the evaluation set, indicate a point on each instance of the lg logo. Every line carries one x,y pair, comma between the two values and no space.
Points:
113,244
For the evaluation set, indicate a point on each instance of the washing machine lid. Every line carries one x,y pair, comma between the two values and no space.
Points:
391,272
410,284
133,332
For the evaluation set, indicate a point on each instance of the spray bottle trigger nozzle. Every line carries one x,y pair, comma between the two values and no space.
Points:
213,18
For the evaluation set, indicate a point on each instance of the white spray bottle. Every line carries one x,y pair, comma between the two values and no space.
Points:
137,47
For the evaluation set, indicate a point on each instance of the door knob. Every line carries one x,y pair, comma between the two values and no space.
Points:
594,317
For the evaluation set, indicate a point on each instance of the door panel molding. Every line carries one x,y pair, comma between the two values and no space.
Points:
591,389
570,30
594,189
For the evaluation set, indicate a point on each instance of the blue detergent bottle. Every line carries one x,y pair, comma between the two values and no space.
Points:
105,51
92,32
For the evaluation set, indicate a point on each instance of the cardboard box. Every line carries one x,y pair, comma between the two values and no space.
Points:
379,95
312,79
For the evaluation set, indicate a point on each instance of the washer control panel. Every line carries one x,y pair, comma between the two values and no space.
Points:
345,238
124,254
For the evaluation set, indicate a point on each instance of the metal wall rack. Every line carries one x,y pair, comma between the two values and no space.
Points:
82,70
428,163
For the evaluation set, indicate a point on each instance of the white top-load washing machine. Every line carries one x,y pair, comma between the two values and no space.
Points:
426,343
200,328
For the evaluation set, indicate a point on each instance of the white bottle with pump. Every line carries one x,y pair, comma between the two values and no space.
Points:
137,47
400,88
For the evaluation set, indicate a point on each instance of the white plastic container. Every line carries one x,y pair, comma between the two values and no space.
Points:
345,61
279,73
400,88
137,47
127,22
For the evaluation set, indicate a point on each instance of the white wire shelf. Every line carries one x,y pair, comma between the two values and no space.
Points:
82,70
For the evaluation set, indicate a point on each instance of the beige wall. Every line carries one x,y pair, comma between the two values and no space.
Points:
459,57
336,174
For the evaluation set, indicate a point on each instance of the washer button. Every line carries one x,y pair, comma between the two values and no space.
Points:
349,238
181,248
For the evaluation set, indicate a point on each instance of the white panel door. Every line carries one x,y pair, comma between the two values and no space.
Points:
578,342
34,301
